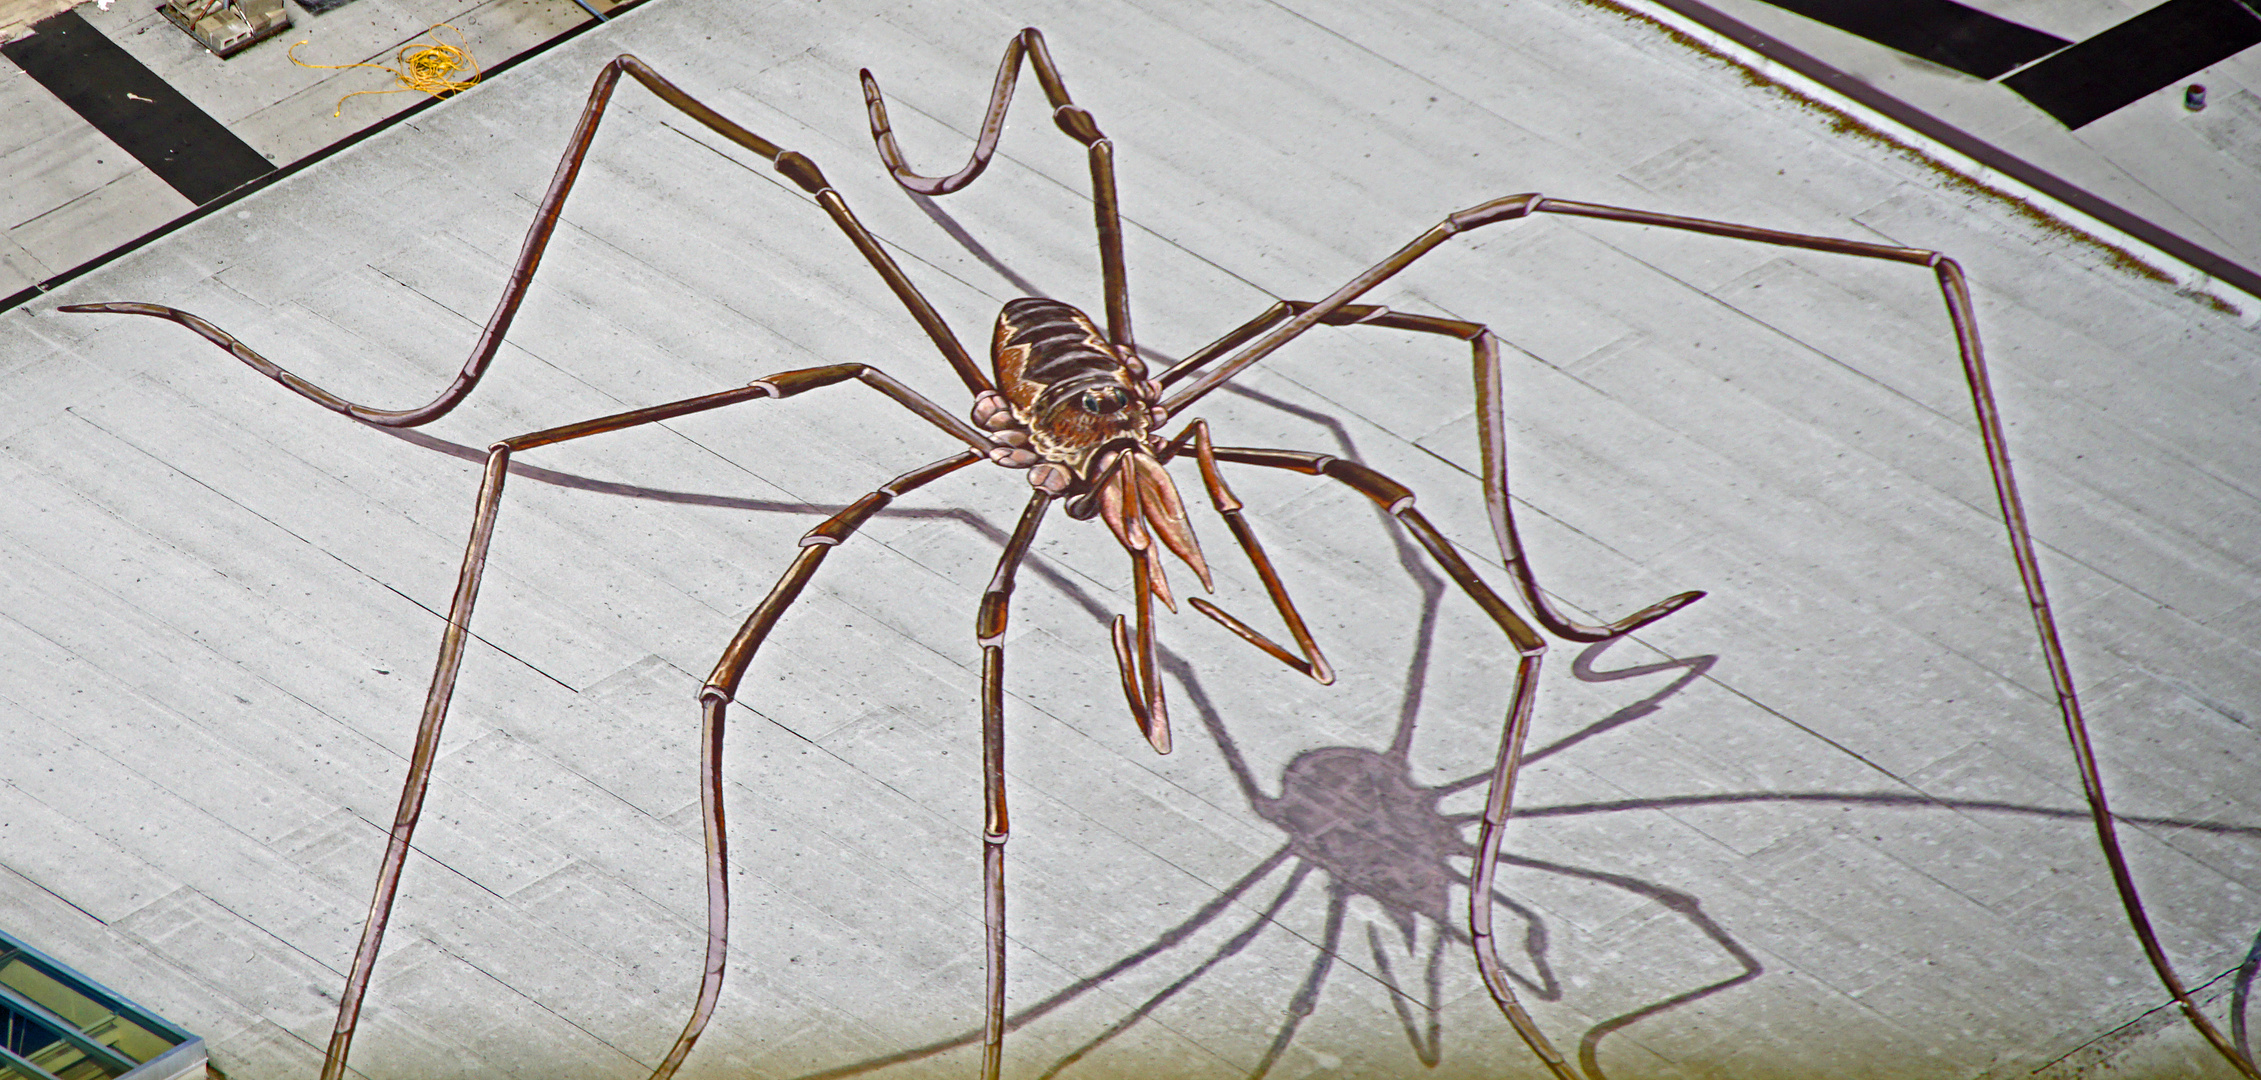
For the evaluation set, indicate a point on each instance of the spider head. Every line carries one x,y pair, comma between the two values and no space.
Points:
1072,421
1107,466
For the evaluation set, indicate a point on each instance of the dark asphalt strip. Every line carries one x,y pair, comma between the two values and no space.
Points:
1941,31
140,112
2156,49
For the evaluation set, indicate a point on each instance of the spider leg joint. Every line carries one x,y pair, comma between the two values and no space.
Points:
1507,209
799,169
1076,121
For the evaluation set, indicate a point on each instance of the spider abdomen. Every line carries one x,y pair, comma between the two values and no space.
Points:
1040,342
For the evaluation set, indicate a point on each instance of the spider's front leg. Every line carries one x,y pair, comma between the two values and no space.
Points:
791,164
1072,119
1228,506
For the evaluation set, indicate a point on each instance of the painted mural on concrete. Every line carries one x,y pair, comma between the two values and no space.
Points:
1077,406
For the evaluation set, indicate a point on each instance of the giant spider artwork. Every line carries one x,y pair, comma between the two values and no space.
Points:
1071,402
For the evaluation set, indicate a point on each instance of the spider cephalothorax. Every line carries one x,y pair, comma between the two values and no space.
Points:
1064,392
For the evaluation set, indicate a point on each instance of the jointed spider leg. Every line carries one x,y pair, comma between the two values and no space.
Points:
721,688
1285,322
792,165
1312,662
1398,501
989,629
452,642
420,760
1071,118
1237,337
1492,433
1484,350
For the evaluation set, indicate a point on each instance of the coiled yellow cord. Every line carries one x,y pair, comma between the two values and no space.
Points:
428,68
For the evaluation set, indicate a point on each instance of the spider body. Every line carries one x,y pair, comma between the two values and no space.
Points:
1079,413
1069,390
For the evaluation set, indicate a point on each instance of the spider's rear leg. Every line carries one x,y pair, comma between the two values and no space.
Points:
1071,118
1397,500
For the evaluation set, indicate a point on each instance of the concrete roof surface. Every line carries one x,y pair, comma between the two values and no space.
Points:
1823,822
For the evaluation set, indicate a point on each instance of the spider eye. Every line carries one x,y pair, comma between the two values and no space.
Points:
1105,400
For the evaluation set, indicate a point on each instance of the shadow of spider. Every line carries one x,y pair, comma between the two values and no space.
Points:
1358,825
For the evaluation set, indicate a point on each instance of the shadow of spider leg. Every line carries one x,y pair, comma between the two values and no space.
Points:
1398,501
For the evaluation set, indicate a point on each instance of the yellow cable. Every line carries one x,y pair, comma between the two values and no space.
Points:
428,68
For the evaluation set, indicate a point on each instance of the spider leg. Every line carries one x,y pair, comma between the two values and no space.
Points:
793,165
1071,118
420,760
1277,327
989,629
716,695
1312,662
1286,322
1491,425
1492,431
1398,501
